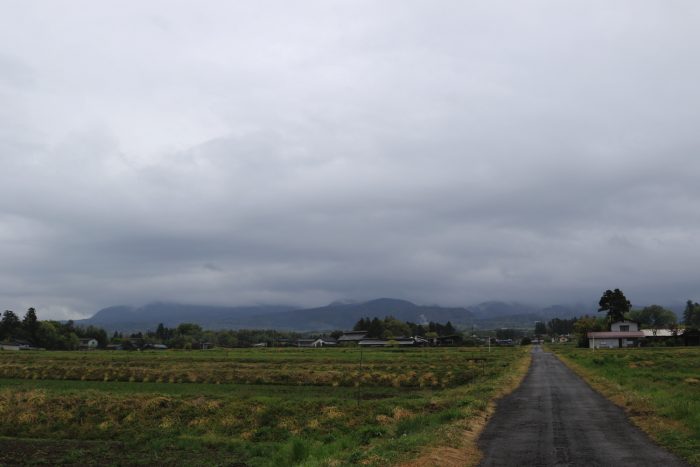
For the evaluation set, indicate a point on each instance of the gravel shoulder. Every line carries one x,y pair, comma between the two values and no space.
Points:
556,419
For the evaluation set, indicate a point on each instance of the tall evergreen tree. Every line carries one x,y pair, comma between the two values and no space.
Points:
30,324
616,304
9,325
375,328
691,314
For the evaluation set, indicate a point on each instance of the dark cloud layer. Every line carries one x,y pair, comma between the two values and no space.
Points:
276,152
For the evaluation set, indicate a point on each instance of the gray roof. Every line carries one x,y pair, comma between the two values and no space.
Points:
353,336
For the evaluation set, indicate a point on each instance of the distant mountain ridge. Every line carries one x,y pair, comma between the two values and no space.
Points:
128,318
337,315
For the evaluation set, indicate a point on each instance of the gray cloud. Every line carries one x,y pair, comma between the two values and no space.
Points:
271,152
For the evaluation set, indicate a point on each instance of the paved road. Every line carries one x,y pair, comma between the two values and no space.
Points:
555,419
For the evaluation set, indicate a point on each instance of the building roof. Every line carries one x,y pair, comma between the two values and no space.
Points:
661,333
352,336
616,335
399,341
327,340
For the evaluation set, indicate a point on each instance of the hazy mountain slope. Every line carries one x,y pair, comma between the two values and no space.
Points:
337,315
125,318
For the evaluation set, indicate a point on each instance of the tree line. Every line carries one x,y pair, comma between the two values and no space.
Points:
391,327
52,335
191,336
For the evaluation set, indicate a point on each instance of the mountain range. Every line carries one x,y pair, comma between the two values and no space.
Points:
337,315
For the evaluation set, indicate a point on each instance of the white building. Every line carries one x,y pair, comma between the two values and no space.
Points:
88,344
621,334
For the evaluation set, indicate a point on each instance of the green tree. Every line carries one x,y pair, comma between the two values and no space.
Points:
30,324
48,336
540,328
691,315
375,328
188,329
616,304
653,317
557,326
587,324
362,325
507,333
72,341
395,328
9,325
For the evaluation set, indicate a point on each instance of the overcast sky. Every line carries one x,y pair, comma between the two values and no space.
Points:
247,152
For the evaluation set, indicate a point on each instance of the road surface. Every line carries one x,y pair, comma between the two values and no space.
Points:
555,419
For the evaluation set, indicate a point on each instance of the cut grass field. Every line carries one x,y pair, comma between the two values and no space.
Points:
245,407
659,388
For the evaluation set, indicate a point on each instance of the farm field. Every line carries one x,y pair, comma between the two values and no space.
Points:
658,387
244,406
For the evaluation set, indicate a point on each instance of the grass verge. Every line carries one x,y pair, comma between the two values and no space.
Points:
458,445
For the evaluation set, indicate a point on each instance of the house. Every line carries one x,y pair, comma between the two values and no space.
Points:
621,334
319,342
325,342
114,347
88,343
351,337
